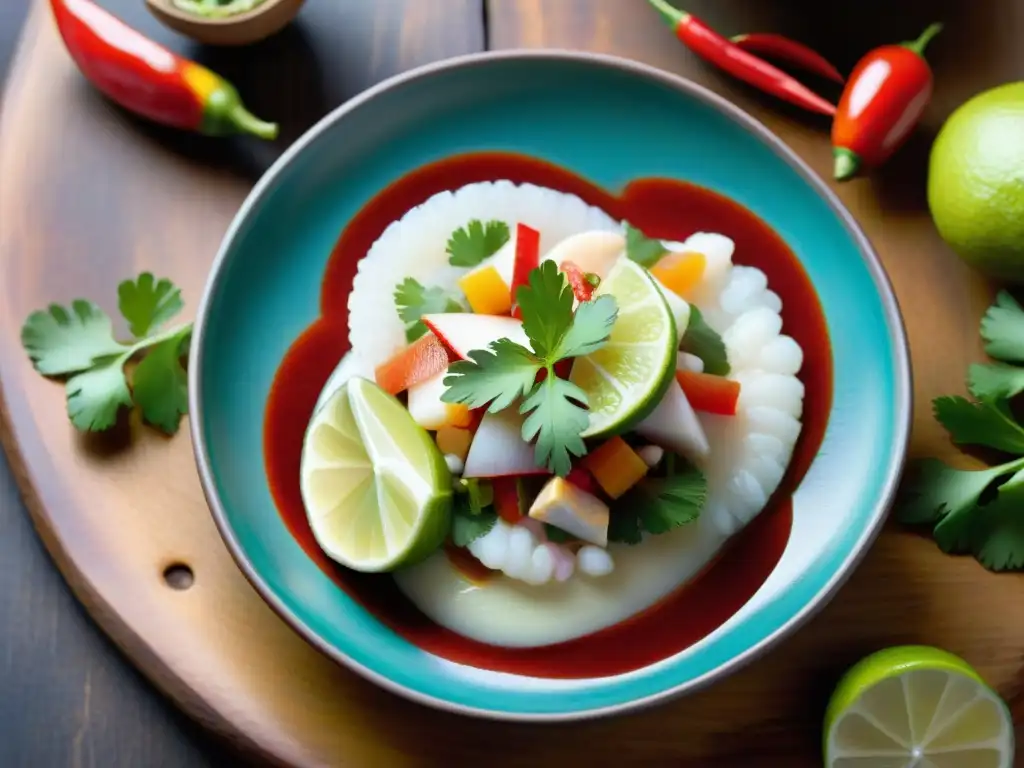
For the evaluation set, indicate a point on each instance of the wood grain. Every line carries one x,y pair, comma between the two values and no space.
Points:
101,196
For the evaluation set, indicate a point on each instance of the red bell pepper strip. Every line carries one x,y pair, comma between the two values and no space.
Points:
882,102
583,480
506,499
709,393
423,359
712,47
788,50
527,259
148,79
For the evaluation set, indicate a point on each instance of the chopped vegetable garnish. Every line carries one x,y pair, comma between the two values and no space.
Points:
475,242
703,341
615,466
80,340
472,513
658,504
527,258
413,301
581,283
709,393
644,250
680,272
454,441
506,371
486,292
562,505
506,499
424,358
978,511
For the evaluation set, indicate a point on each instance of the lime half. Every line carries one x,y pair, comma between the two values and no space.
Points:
376,488
625,379
916,707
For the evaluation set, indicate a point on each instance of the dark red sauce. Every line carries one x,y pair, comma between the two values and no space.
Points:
662,208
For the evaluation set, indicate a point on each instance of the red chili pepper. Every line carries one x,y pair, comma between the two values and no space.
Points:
711,46
148,79
527,259
788,50
885,97
582,288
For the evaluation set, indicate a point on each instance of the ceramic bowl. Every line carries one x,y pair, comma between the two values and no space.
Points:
243,28
610,120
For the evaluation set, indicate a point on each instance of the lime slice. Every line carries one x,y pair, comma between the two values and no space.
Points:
376,488
626,379
916,707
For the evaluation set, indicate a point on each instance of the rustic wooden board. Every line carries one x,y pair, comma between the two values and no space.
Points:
89,196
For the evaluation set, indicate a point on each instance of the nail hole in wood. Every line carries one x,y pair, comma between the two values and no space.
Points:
178,576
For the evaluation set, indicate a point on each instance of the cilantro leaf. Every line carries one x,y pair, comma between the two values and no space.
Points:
546,306
659,504
468,527
995,381
591,326
476,241
997,536
496,376
1002,328
413,301
703,341
556,416
80,341
932,490
982,423
160,384
643,250
59,340
147,303
94,397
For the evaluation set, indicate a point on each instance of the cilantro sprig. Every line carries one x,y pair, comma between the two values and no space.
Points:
979,511
642,249
413,301
507,372
471,244
473,514
78,342
658,505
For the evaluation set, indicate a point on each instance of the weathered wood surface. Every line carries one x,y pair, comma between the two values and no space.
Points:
100,195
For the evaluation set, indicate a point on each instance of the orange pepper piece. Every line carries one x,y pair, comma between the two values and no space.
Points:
679,272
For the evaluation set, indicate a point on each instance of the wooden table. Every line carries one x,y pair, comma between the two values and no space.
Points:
68,701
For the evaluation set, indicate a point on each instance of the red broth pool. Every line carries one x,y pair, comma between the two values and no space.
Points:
662,208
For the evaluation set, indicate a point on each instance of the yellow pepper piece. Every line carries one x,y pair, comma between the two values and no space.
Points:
615,466
679,272
454,440
486,292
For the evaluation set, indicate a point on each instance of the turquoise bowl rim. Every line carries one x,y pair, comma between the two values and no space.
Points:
903,390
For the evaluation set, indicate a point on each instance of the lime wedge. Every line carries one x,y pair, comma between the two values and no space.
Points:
626,379
377,492
916,707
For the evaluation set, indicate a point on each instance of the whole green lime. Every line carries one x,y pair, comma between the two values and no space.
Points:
976,182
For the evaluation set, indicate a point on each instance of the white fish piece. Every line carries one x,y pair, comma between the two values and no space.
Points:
565,506
491,549
454,463
594,561
772,421
771,390
651,455
674,425
769,446
519,558
687,362
766,470
542,565
749,334
594,251
745,283
781,355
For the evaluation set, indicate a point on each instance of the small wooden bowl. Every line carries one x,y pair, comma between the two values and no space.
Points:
240,29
